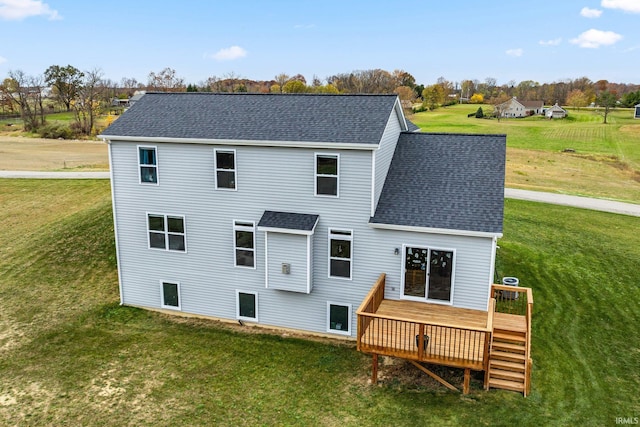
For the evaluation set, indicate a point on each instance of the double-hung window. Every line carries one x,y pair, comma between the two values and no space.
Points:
340,253
148,165
326,172
167,232
244,244
225,166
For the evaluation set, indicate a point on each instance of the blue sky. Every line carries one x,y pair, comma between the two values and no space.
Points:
457,39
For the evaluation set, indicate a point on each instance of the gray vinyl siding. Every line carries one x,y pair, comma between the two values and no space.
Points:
268,178
290,249
384,154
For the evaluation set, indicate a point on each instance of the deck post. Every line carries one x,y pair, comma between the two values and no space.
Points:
467,379
374,369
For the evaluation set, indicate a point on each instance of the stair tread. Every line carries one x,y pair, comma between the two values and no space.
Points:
507,375
507,355
506,384
508,346
509,337
503,364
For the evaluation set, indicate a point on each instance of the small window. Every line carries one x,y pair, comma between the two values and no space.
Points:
166,232
327,167
247,306
339,318
148,162
225,169
171,295
245,243
340,253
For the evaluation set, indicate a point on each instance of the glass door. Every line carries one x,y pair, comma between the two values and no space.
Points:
428,274
440,272
416,264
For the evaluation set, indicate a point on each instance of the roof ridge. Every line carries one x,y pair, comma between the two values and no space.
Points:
454,133
269,94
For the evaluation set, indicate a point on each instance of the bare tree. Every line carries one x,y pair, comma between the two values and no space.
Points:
26,92
166,81
87,104
281,80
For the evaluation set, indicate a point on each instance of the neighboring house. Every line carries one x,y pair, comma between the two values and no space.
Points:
285,210
555,112
636,114
515,108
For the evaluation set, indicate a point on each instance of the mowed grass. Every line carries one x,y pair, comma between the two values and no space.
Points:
576,155
70,355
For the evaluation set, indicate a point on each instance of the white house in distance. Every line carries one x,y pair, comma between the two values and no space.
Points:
516,108
291,210
555,112
636,114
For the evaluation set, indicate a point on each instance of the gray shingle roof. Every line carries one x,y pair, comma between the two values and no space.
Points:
449,181
257,117
412,127
288,220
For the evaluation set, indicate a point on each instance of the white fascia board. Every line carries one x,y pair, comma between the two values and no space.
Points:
430,230
287,230
238,142
400,113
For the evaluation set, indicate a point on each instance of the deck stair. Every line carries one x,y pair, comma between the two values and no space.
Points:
508,365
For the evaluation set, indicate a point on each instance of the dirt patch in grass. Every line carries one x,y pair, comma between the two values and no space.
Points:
398,372
39,154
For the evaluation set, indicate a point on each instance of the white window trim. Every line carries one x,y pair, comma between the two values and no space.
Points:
426,298
335,331
331,235
248,319
140,165
316,175
242,227
234,170
170,307
166,232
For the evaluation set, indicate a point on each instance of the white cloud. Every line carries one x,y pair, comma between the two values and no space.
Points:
632,6
3,59
593,39
590,13
16,10
554,42
229,54
514,52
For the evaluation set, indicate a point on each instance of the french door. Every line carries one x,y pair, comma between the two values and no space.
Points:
427,274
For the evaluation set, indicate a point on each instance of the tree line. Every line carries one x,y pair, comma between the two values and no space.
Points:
87,93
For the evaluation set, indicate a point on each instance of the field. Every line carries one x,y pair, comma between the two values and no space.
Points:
578,155
70,355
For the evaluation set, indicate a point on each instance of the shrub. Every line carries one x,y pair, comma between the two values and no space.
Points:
479,113
56,131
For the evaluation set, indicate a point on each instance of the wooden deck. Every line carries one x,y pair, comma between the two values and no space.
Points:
450,336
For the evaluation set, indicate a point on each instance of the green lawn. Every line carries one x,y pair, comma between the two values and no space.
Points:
604,160
70,355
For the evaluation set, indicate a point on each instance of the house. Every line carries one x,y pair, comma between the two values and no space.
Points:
291,210
555,112
516,108
636,114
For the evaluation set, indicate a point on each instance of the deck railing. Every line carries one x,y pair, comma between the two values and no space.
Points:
370,304
421,341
